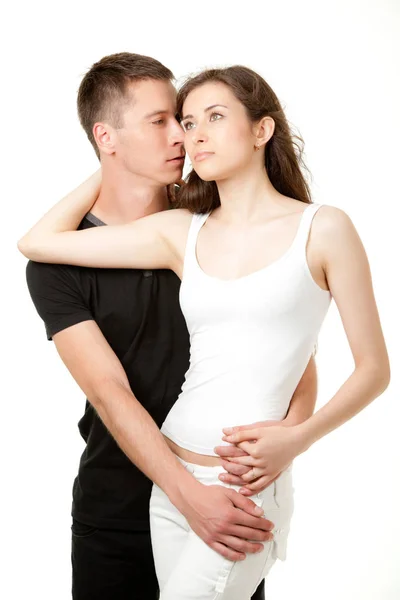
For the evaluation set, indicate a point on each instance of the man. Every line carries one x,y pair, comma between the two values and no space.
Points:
123,338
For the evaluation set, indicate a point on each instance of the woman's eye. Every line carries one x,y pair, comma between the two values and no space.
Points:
217,116
188,126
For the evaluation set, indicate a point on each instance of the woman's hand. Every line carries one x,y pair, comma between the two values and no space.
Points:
235,472
267,451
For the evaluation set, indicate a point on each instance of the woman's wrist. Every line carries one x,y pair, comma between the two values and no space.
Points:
291,421
305,435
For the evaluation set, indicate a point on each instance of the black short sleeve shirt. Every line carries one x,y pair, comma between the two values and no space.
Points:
138,313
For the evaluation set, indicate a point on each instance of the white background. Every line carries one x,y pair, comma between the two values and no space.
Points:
335,67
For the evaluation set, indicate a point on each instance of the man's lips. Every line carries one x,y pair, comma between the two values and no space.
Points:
202,156
177,159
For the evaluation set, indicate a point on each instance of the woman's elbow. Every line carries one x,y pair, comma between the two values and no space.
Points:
23,247
381,376
30,249
386,377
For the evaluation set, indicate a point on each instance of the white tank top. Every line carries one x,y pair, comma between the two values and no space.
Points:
250,341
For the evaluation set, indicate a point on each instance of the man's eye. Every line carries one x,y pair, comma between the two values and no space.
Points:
159,122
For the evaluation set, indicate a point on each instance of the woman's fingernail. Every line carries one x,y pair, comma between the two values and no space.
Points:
227,430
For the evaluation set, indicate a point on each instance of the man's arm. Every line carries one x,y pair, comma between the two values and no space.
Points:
59,296
217,514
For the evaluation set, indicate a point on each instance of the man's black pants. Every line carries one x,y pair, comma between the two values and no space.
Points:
115,565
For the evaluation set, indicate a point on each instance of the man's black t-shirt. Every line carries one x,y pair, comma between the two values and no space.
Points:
139,315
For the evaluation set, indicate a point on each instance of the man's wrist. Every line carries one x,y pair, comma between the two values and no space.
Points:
180,487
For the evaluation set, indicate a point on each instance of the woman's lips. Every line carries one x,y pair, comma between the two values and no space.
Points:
202,156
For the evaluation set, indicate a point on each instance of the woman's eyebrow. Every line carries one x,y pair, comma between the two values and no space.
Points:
205,110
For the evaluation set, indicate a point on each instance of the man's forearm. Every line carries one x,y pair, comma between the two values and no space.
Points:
139,437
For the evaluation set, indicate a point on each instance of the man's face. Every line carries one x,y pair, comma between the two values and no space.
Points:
150,141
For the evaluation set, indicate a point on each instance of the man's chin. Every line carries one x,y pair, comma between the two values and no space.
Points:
176,178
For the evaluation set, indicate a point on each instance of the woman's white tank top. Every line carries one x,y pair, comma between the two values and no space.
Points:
250,341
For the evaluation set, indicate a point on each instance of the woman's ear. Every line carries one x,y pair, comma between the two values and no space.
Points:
264,131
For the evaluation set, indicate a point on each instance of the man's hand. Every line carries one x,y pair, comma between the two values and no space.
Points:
225,520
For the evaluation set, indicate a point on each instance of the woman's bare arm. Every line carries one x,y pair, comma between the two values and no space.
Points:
335,239
348,275
152,242
349,279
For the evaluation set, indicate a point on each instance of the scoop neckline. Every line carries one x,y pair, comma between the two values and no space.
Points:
258,271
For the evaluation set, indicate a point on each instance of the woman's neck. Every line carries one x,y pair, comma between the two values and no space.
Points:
245,197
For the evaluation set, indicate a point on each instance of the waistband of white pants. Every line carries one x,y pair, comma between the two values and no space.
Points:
215,470
193,468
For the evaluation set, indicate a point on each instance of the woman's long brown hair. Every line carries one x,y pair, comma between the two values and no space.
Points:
283,152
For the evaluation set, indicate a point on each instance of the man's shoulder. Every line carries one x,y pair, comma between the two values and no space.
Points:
42,270
89,221
45,278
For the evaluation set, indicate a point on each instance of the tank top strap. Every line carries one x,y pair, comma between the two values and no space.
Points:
196,224
303,231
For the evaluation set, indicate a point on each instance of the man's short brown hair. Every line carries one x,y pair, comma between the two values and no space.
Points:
103,90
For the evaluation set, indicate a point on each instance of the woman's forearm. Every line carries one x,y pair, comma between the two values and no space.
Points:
141,244
302,404
365,384
66,214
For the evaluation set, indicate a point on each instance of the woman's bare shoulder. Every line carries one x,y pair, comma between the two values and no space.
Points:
176,220
171,225
177,217
334,234
181,214
332,221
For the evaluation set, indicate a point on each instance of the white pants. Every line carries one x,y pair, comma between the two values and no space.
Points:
188,569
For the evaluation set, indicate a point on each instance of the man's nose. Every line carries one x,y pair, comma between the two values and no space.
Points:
177,134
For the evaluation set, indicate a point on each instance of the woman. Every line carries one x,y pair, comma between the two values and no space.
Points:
259,264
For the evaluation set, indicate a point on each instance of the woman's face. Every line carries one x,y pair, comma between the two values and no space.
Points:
219,136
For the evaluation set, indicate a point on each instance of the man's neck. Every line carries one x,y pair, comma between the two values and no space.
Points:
125,197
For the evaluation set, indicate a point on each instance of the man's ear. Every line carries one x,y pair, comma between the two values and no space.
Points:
104,136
